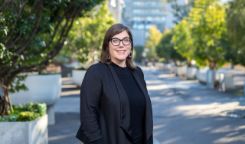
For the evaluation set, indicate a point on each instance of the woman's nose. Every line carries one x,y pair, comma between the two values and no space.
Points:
121,44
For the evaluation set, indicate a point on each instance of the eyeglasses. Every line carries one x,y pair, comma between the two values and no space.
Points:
116,42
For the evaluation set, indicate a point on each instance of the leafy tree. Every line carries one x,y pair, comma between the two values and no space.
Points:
86,36
152,41
236,29
183,41
165,49
208,30
31,34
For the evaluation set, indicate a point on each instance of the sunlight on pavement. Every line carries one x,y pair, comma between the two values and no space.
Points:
212,109
71,92
230,139
166,76
149,82
157,87
228,128
60,137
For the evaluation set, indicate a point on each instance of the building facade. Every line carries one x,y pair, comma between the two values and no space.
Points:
140,15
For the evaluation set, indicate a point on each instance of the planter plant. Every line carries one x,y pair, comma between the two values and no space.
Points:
42,88
27,122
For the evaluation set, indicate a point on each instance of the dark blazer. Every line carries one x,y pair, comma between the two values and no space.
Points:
104,107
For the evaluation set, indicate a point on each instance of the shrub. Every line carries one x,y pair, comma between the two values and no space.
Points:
27,112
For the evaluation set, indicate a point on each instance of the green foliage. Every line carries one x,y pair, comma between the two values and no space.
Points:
26,112
86,36
32,33
18,84
182,40
236,28
165,49
208,24
152,41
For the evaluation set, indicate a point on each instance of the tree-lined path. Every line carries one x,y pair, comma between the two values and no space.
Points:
185,112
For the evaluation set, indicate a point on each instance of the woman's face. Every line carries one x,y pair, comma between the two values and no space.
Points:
119,47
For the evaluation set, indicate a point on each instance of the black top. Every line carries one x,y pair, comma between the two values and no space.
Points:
136,100
103,115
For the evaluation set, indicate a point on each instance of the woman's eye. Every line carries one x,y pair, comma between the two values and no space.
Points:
115,40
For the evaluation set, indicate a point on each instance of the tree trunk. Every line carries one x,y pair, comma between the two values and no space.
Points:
189,64
212,65
5,105
212,75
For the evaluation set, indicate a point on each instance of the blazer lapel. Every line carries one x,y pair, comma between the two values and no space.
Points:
148,112
124,104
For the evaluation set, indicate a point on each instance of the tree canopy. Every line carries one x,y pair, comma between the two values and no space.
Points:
207,19
182,40
236,28
87,33
32,33
152,41
165,48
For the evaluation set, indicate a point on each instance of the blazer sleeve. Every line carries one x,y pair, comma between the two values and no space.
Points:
150,140
142,76
91,88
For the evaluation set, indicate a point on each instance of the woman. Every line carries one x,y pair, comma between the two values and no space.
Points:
115,106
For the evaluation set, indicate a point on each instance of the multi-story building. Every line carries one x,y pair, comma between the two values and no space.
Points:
140,15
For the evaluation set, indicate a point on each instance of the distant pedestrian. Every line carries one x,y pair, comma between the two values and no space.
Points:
115,107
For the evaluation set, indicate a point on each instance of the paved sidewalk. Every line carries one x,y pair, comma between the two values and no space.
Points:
185,112
67,116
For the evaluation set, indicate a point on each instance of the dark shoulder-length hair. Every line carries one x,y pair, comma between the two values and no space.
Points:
114,30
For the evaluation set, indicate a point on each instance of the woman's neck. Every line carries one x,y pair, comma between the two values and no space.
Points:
120,63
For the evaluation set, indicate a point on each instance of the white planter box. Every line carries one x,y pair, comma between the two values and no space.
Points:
171,67
221,72
30,132
173,70
41,89
77,76
168,66
223,76
232,82
231,79
211,78
181,71
191,72
202,75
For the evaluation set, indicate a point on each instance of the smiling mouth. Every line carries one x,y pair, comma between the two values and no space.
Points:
121,51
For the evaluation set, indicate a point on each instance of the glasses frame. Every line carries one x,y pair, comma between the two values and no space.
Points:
120,40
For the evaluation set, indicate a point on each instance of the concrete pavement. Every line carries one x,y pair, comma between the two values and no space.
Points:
185,112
